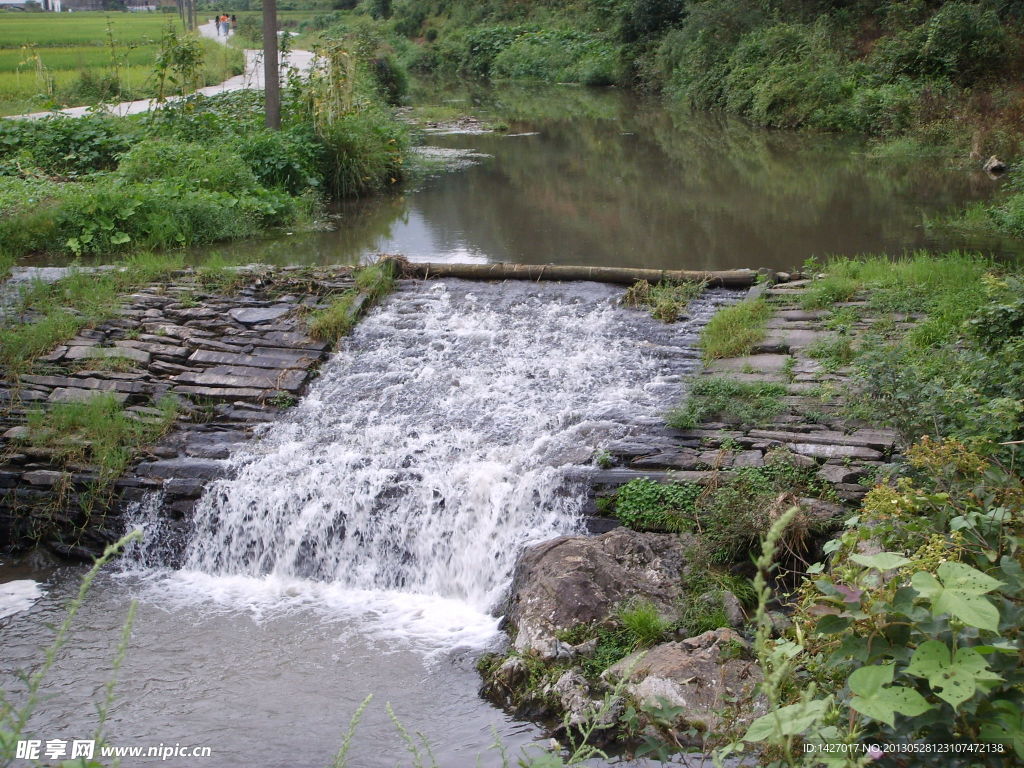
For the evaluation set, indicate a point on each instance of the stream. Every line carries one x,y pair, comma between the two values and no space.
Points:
363,544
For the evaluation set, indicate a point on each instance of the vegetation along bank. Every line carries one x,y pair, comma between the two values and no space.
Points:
922,79
199,170
857,435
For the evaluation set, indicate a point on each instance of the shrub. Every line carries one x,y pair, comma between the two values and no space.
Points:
363,153
962,42
288,159
692,61
65,146
199,166
646,505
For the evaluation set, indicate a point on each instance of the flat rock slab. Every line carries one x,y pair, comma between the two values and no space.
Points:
794,338
253,315
819,451
202,469
221,393
297,360
94,352
876,439
753,363
74,395
682,459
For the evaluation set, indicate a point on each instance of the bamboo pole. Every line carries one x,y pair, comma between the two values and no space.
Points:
733,278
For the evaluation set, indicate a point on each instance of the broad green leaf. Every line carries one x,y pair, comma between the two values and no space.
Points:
874,697
966,579
119,237
831,624
883,561
786,721
953,677
960,594
1005,725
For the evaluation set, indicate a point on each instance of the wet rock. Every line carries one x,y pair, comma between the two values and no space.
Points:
994,165
186,487
711,677
577,701
204,469
575,580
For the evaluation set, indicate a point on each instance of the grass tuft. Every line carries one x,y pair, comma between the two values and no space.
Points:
667,301
746,403
734,330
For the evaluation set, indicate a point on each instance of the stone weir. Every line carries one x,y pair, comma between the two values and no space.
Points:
232,354
231,359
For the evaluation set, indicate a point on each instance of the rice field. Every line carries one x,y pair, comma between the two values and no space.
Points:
68,59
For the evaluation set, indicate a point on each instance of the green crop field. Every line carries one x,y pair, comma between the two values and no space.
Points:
69,59
88,28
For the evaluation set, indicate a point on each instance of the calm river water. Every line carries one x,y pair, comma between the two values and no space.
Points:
602,177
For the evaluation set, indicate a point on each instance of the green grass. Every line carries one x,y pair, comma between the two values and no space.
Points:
734,330
947,288
667,301
833,352
719,397
67,59
642,620
338,318
77,301
81,28
98,432
334,321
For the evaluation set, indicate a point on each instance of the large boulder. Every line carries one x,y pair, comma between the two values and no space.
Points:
574,580
712,678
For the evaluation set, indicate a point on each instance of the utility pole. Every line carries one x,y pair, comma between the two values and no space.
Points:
271,77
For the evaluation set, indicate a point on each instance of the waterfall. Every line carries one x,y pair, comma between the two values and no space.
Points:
435,445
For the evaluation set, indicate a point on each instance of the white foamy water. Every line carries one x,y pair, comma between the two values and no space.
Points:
433,448
17,596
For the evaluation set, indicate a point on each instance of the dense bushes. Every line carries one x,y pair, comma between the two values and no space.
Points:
63,146
201,170
876,68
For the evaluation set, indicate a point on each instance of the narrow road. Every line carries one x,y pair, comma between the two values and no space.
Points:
251,79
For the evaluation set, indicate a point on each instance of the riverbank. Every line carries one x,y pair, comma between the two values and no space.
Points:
198,170
178,375
662,644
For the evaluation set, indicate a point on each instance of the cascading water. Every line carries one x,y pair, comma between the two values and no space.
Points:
439,443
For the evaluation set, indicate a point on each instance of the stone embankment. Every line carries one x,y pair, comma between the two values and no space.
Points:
566,592
812,423
232,359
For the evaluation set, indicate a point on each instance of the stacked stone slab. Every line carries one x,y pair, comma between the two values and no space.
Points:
815,431
232,361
